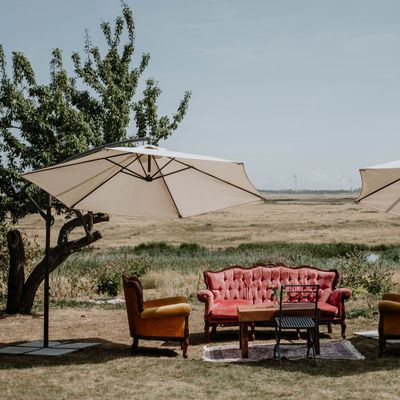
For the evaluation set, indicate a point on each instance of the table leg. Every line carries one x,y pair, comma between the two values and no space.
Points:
240,335
244,340
317,344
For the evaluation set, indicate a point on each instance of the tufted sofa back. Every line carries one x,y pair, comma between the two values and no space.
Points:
257,283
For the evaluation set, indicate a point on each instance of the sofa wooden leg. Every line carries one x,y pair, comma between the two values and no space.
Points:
329,327
214,330
206,332
382,340
381,346
343,325
185,347
186,338
135,346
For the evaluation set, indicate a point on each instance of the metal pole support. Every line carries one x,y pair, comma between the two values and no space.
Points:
46,275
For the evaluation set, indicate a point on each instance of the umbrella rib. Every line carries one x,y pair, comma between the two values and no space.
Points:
132,175
221,180
170,173
87,180
169,192
141,164
378,190
101,184
160,169
128,171
63,165
393,205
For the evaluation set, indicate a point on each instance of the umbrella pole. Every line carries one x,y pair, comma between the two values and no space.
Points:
46,275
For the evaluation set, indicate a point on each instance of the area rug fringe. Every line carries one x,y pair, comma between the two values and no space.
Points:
339,350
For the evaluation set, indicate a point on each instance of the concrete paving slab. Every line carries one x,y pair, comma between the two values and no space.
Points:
76,345
17,350
51,351
38,344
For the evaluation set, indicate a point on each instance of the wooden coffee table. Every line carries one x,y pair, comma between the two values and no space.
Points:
266,313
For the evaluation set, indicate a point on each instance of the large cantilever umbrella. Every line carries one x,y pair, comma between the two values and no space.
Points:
146,181
142,181
381,187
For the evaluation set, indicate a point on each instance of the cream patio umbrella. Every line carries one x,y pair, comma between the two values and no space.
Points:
145,181
381,187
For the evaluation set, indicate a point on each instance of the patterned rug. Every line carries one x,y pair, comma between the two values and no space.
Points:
342,350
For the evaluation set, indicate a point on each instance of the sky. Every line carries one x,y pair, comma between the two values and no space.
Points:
303,92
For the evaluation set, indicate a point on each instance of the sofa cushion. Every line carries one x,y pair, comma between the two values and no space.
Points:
226,309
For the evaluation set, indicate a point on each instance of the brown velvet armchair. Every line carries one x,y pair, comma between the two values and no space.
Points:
389,319
161,319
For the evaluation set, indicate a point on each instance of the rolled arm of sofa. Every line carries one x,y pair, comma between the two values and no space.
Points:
164,302
391,297
338,296
389,307
171,310
207,297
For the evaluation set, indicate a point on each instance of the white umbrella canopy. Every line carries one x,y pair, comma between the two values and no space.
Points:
381,187
146,181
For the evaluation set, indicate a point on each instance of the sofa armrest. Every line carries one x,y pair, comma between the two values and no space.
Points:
168,311
164,302
389,307
338,296
391,297
207,297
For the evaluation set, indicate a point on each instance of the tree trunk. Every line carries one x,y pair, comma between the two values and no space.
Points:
16,274
24,302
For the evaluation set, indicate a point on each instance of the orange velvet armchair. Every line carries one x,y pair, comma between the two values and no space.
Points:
389,319
161,319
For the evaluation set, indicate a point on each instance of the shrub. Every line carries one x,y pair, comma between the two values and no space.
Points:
191,249
361,275
109,282
154,248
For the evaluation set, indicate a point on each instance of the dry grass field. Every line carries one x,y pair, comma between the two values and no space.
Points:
292,218
159,371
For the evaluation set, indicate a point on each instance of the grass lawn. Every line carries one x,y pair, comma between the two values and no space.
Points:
160,372
316,231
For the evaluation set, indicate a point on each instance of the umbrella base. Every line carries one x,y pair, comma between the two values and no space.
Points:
36,348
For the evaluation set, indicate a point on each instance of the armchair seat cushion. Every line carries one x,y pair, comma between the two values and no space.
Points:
227,309
164,302
168,311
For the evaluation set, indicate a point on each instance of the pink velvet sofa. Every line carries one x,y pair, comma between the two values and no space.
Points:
236,285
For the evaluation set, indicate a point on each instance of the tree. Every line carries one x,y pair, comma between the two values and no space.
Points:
43,124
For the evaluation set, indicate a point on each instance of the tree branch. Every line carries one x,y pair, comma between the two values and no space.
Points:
86,221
